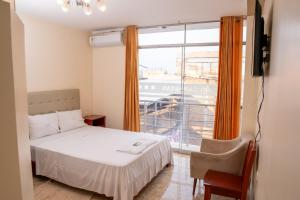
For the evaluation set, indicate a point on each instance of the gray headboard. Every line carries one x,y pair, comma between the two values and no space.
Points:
52,101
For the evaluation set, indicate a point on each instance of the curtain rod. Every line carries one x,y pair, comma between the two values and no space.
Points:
156,26
183,23
178,24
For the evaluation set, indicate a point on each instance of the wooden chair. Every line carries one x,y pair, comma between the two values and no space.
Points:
229,185
218,155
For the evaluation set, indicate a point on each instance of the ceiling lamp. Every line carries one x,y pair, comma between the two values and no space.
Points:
86,5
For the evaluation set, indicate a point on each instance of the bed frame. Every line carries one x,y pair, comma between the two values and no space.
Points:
52,101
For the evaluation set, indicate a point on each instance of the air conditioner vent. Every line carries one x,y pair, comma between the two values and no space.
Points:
107,39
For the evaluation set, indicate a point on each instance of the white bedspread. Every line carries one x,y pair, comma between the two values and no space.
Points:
88,158
138,146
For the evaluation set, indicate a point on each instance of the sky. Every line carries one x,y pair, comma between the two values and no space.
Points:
166,57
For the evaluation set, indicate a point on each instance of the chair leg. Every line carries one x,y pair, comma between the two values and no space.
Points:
207,193
194,186
244,196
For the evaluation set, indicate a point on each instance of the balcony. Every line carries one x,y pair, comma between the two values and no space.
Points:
184,122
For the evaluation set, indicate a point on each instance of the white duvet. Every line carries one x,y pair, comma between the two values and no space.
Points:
88,158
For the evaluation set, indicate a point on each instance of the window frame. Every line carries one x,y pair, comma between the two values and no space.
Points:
183,46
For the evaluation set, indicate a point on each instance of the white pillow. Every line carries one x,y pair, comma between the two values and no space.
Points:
69,120
42,125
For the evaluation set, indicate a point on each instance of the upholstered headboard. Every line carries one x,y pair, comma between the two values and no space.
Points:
52,101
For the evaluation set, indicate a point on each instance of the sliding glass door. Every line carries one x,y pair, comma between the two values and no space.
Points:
160,91
200,90
178,75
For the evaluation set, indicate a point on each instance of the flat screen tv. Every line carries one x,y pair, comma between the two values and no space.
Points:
260,41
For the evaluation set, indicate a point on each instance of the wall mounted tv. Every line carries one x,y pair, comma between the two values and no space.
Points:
260,42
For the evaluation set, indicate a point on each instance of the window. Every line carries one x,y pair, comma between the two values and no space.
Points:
178,74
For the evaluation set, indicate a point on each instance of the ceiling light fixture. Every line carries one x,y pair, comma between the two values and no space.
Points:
86,5
101,5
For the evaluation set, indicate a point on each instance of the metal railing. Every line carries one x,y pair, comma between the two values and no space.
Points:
185,122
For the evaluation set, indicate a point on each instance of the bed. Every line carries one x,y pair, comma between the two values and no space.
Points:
88,157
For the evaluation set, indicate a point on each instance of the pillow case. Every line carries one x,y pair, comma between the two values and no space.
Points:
43,125
69,120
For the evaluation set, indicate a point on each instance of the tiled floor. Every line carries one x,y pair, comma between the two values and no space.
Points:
173,183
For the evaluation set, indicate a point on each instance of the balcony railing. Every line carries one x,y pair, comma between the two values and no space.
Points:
180,121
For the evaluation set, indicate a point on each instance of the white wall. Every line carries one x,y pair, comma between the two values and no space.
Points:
279,163
15,169
58,57
21,106
109,84
251,94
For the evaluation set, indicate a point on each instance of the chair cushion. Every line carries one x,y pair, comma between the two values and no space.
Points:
223,180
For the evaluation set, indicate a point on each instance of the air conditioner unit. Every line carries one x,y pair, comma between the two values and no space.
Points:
106,38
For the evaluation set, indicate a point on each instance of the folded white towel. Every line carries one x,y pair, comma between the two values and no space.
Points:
137,146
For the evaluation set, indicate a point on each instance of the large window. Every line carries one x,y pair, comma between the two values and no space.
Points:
178,74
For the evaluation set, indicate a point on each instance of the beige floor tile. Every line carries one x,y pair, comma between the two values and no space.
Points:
38,181
54,190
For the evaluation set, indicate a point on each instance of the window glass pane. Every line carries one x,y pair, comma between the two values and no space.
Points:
207,32
161,35
201,74
196,33
203,33
159,72
178,94
243,74
200,92
244,33
160,92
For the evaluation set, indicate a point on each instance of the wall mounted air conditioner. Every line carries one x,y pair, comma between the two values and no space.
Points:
107,38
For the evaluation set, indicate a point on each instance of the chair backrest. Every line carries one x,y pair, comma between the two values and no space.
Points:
248,164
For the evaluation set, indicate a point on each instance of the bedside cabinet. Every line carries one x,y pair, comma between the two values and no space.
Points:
95,120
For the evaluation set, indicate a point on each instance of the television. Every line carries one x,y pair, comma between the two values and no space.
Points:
260,41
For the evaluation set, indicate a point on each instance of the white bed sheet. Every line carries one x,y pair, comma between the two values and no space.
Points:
87,158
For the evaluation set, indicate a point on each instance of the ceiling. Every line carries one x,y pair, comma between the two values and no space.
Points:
120,13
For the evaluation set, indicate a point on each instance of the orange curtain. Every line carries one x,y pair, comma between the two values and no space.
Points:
227,116
131,107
